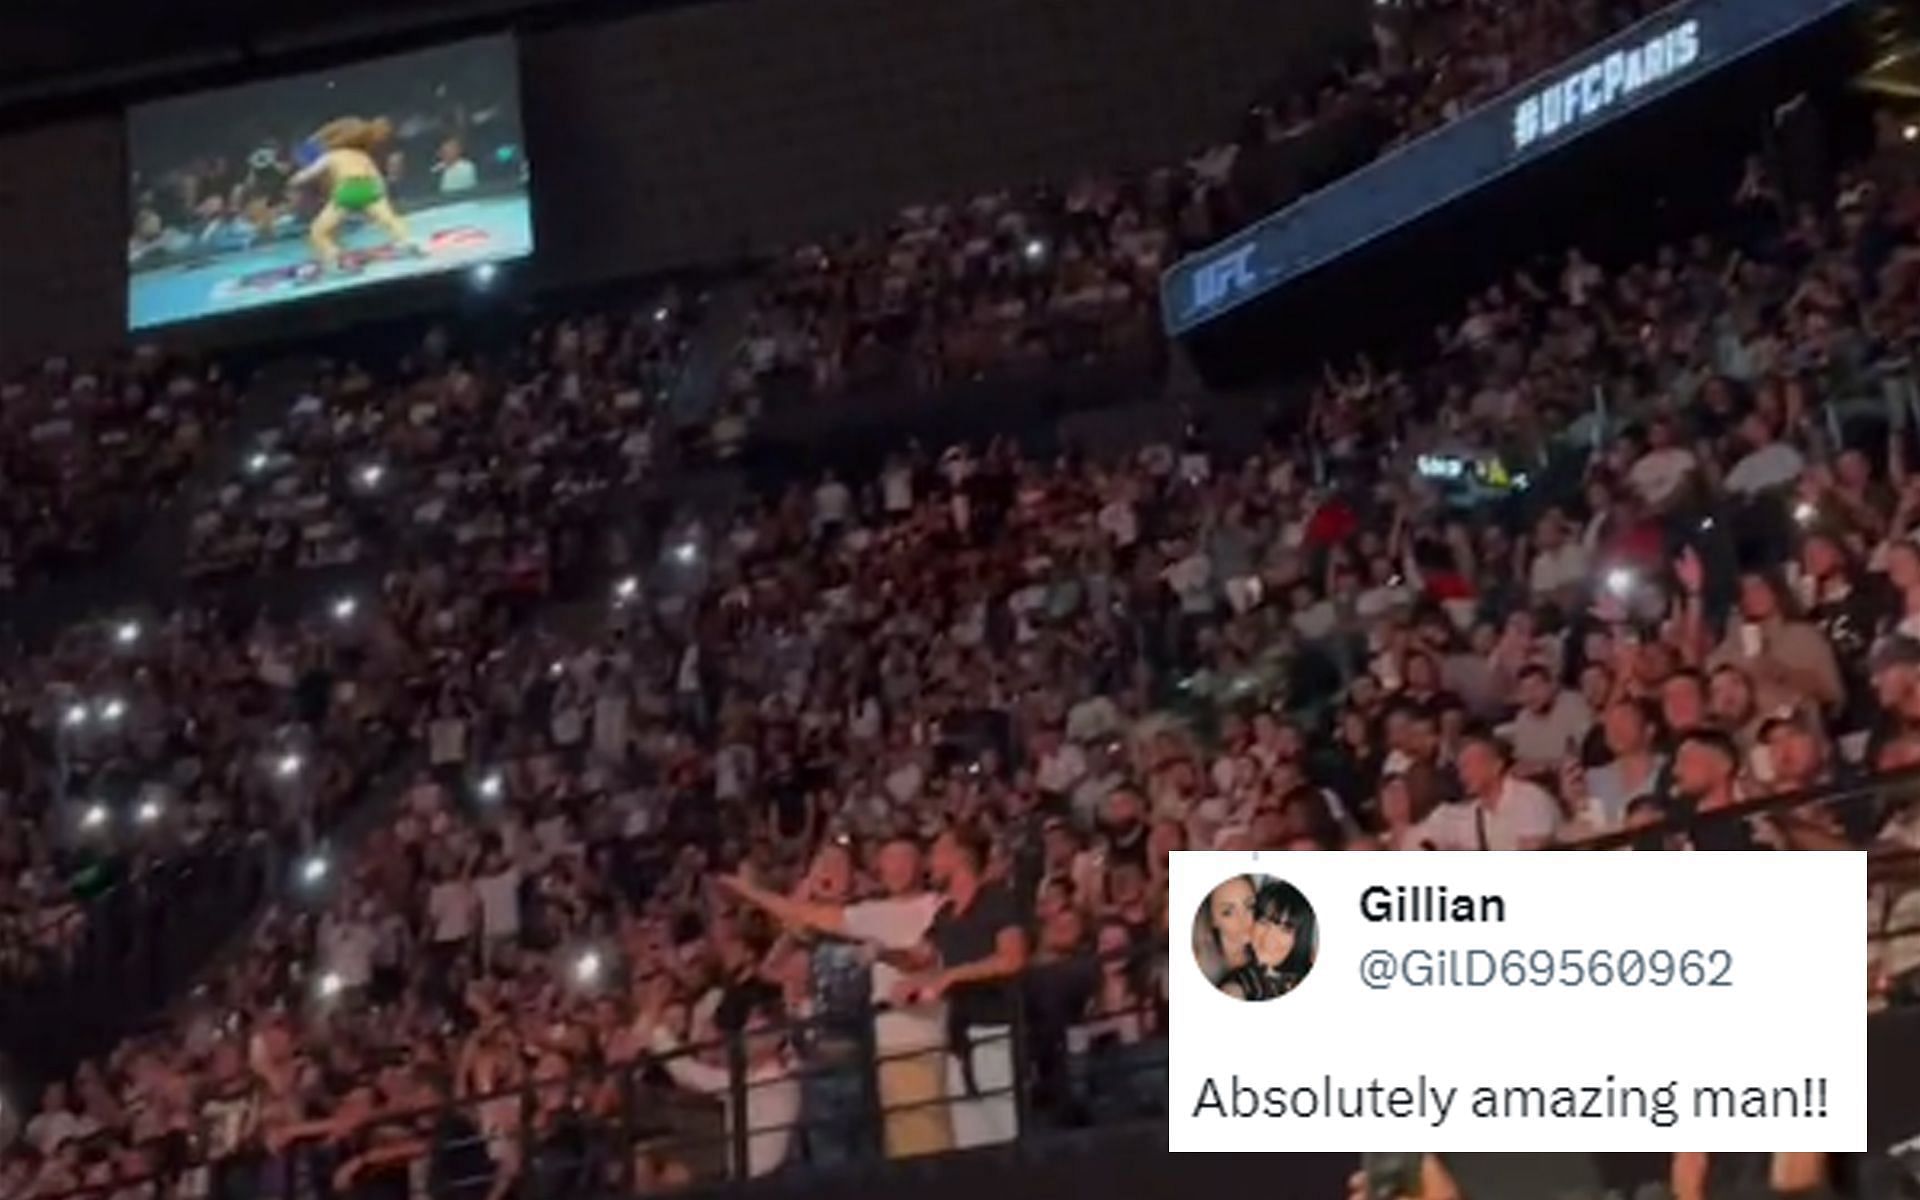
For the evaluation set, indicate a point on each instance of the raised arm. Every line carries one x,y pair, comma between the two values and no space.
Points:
807,914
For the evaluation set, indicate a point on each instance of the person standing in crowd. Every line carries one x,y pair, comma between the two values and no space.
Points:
773,1106
496,889
829,1038
1185,621
910,1034
981,947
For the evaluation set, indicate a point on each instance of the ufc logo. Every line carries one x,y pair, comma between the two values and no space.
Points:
1217,280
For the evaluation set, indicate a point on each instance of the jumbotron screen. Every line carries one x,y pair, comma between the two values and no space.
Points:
320,184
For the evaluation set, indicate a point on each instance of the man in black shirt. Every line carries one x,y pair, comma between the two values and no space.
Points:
981,946
1705,780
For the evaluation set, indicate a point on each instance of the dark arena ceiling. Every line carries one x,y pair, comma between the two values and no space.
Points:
58,54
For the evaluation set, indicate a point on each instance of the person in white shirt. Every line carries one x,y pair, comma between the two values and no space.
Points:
456,170
1093,718
772,1087
497,887
1117,521
347,942
1561,564
451,907
896,488
910,1040
1191,578
1768,465
447,740
1551,724
56,1123
568,721
1502,812
1663,472
832,504
1060,764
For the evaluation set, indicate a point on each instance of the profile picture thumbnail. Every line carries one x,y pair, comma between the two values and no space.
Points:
1255,937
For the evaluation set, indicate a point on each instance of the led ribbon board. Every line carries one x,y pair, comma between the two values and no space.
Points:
1670,50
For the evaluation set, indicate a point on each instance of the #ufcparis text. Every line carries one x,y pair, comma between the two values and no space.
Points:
1662,1103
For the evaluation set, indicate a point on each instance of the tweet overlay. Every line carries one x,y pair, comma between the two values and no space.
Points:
1519,1001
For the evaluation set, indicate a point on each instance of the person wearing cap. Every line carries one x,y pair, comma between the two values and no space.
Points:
1799,754
1895,672
1705,781
1802,760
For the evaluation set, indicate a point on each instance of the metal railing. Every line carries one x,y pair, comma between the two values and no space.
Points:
142,942
766,1098
132,949
1886,791
1893,869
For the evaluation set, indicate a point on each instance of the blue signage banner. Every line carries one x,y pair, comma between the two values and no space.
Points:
1656,57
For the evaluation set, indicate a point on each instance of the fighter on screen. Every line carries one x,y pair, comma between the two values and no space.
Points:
340,154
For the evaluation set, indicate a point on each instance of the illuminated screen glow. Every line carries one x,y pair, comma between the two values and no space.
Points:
316,185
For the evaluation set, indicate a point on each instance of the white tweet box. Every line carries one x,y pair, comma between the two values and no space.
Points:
1576,1002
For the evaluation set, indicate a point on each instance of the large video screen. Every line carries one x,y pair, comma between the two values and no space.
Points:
294,188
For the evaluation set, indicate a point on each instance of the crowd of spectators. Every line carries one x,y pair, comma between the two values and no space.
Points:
978,697
87,451
1435,62
1606,558
953,292
1430,62
480,455
134,742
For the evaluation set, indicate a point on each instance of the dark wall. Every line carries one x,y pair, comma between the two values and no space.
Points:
728,129
725,128
62,238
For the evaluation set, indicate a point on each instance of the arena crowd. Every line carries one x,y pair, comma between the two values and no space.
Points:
1013,281
1619,552
85,452
475,455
